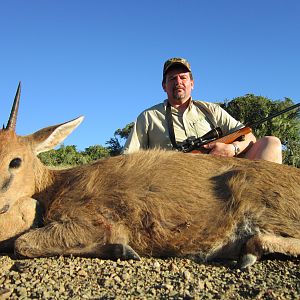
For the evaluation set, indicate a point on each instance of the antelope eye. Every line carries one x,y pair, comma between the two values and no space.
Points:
15,163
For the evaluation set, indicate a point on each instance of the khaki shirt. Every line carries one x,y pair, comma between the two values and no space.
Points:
151,129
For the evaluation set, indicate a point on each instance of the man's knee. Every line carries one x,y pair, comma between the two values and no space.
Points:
270,141
267,148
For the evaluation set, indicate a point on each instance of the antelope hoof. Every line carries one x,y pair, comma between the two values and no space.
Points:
120,251
125,252
246,261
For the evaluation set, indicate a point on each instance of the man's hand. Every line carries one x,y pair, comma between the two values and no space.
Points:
220,149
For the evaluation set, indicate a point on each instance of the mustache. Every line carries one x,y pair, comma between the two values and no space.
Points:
178,87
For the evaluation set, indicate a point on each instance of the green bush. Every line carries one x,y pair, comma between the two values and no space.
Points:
69,156
249,109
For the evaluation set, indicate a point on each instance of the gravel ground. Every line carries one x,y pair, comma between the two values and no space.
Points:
84,278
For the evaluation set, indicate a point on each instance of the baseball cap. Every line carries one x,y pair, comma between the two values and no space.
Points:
176,61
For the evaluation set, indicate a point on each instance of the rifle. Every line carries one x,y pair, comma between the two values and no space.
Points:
193,144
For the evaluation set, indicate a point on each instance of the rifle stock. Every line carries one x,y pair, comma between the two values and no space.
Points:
230,138
227,139
196,145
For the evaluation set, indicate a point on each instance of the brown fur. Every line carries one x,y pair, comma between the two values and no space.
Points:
159,203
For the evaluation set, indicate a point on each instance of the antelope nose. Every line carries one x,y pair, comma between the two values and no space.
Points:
4,209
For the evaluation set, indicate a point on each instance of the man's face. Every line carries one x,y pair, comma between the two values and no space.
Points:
178,84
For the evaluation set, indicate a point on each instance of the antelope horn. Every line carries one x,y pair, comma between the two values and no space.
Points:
11,124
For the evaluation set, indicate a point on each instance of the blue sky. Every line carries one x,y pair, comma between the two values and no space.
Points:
103,59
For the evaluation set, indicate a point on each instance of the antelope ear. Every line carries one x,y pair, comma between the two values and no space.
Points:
49,137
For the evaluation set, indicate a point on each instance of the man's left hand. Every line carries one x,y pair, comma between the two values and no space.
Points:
220,149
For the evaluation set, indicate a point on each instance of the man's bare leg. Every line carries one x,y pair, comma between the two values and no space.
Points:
267,148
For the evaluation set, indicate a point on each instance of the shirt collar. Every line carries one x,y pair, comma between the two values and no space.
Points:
189,107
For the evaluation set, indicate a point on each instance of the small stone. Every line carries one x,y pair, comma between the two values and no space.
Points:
117,279
186,275
208,285
201,285
61,288
6,266
5,293
82,273
21,291
174,268
169,287
46,294
126,276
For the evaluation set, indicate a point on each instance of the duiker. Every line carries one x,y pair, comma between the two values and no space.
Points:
151,203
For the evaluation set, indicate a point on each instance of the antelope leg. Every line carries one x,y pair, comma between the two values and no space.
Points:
71,238
261,244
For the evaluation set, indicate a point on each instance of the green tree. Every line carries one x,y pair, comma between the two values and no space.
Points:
63,156
124,132
69,156
96,152
250,109
115,144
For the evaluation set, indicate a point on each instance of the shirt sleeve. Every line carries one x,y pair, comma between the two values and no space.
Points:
138,137
225,120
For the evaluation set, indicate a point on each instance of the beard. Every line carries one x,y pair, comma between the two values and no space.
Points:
179,95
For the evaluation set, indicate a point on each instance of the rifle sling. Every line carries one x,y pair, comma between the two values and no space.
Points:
169,120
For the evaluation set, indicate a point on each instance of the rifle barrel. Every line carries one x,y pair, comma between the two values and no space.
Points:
273,116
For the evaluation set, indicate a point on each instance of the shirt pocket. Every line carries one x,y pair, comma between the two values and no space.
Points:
198,127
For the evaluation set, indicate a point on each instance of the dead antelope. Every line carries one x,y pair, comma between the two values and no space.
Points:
151,203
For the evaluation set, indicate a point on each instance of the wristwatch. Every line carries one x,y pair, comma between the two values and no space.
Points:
237,149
